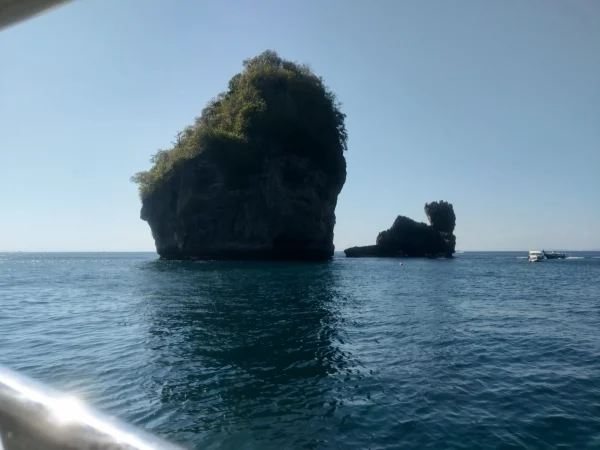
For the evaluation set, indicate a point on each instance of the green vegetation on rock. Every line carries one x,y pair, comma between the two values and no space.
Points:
272,106
441,216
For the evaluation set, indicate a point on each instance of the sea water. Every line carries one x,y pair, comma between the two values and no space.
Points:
483,351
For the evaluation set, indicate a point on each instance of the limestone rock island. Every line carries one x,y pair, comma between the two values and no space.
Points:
407,237
257,175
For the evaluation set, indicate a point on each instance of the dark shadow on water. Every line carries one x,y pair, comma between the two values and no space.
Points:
241,342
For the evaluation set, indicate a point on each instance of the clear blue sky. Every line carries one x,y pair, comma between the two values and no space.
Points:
468,101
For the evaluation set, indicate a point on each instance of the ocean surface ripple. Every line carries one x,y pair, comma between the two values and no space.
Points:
484,351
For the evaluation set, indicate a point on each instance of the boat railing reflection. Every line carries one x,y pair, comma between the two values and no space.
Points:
35,417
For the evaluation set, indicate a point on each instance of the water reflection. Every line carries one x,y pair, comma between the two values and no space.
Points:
239,342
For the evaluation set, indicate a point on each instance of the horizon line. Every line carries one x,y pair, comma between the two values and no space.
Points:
336,251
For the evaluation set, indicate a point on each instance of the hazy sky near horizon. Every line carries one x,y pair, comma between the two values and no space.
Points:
493,106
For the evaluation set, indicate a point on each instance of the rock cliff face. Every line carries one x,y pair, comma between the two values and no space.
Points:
257,175
407,237
285,212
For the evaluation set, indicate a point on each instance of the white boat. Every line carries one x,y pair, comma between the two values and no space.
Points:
536,256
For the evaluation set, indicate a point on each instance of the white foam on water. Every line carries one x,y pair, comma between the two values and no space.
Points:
521,257
575,257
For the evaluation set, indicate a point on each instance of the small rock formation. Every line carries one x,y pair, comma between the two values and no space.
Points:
407,237
258,174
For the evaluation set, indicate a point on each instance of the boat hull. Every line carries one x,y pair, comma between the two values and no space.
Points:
555,256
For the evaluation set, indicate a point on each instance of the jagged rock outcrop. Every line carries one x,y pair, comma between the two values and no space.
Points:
407,237
441,216
258,174
443,220
286,212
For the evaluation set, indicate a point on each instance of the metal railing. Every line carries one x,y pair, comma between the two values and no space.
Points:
14,11
35,417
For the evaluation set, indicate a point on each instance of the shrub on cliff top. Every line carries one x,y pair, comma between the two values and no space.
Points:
441,216
272,105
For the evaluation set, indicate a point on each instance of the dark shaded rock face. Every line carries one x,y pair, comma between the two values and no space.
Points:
287,211
441,216
407,237
258,173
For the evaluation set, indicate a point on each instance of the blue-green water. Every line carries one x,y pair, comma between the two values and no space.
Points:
485,351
